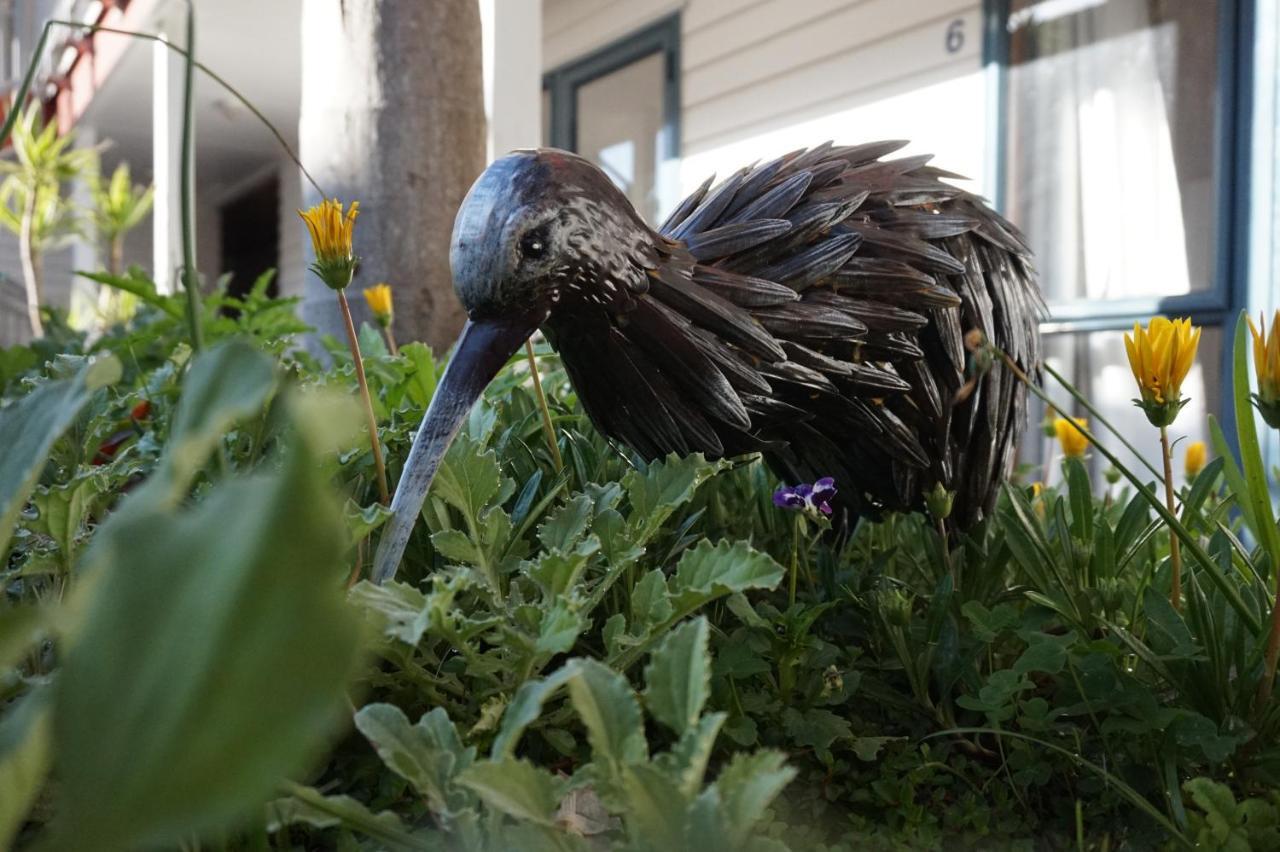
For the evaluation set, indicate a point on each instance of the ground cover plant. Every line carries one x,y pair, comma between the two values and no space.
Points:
592,653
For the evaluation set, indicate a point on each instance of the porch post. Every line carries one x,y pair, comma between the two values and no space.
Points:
166,136
512,74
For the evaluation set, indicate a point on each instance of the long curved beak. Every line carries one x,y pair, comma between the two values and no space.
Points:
482,349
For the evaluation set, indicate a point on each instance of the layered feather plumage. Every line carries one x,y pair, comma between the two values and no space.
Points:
815,309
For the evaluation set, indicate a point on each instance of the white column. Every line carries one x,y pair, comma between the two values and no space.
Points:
512,73
166,140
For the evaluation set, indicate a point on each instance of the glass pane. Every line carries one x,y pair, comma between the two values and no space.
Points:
1096,364
1111,152
620,127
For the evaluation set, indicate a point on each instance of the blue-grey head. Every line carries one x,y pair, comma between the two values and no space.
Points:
537,232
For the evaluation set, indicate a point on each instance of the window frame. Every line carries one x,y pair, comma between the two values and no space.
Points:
1228,292
563,82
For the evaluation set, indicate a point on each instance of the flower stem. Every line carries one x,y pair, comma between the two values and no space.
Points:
1175,550
384,496
547,428
795,560
391,340
187,189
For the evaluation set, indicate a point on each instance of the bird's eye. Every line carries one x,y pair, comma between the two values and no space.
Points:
533,245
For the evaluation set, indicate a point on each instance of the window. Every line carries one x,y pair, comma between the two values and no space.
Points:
619,107
1118,151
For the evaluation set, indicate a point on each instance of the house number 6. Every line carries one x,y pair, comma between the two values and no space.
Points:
955,35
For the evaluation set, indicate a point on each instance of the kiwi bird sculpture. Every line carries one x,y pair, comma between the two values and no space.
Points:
821,309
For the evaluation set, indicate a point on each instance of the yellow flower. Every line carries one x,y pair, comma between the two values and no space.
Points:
1073,441
1160,356
331,232
1193,461
379,298
1266,360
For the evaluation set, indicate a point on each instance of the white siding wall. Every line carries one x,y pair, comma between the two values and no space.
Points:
762,77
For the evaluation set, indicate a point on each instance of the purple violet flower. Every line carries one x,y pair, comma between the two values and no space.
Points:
812,498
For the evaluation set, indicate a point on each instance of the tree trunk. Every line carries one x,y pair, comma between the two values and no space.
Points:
31,265
393,117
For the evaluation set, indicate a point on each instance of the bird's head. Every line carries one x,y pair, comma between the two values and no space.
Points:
539,230
539,226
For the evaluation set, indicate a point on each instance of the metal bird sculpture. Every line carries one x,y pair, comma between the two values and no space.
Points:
814,309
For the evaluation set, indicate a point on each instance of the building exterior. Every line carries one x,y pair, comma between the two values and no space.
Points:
1133,141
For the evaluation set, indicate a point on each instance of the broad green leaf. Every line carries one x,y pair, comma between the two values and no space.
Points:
816,727
362,520
138,284
456,546
655,808
25,756
215,648
560,626
526,706
678,677
468,479
687,760
516,787
422,381
308,806
565,526
429,755
867,748
710,571
401,609
609,711
30,427
227,384
664,486
650,602
556,572
747,786
20,627
1080,491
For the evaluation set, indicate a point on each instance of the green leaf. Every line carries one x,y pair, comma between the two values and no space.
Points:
469,477
816,727
138,284
868,748
516,787
663,487
429,755
525,708
401,609
655,809
710,571
20,627
747,786
1257,493
650,602
229,383
30,427
457,546
308,806
566,525
678,677
215,648
687,760
25,757
1080,491
362,520
422,381
609,710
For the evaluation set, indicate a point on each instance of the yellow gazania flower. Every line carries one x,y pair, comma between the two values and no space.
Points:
1266,360
1072,440
379,298
1194,459
1160,356
331,233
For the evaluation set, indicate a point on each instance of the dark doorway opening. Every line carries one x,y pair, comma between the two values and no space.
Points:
251,236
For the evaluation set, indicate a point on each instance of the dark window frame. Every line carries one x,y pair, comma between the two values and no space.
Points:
563,82
1228,292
